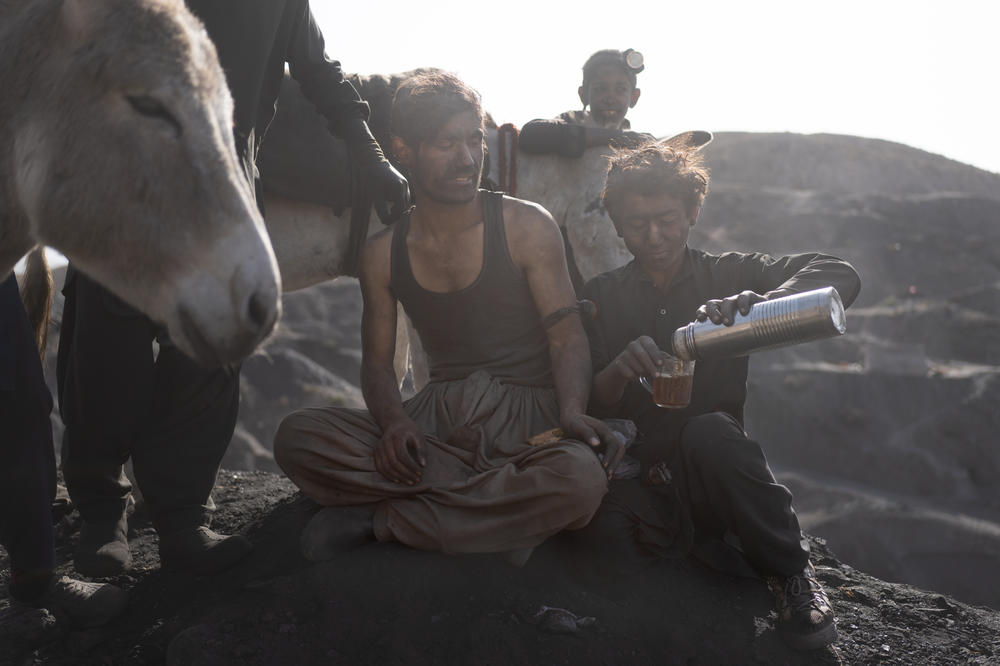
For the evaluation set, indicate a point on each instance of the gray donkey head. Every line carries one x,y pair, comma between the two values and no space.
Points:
119,123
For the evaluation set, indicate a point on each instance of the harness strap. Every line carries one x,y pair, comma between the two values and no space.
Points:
507,158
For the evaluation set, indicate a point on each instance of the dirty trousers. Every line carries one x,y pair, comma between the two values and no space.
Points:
172,416
488,492
724,484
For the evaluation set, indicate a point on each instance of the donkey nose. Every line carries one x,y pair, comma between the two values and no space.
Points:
262,310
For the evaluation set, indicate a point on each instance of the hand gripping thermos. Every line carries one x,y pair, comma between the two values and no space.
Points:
790,320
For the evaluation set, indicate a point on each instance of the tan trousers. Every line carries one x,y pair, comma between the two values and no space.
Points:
492,492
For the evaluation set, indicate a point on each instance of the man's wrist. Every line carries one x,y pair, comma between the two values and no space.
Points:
569,414
387,421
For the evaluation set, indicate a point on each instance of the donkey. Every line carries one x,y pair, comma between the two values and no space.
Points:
116,148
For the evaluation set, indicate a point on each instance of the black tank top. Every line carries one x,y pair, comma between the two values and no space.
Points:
491,325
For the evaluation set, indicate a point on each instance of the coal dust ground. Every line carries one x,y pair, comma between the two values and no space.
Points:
386,604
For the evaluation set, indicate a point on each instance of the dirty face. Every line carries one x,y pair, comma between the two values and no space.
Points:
610,94
655,230
447,168
131,171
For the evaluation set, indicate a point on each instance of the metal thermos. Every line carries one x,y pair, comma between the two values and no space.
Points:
811,315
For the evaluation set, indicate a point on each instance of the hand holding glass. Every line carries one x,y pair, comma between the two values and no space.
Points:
672,382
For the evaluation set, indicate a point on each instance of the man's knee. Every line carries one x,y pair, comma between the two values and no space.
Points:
288,441
587,482
716,439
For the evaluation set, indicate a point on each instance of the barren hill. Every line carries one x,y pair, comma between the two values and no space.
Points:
887,436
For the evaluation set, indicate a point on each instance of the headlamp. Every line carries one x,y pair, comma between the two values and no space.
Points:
634,61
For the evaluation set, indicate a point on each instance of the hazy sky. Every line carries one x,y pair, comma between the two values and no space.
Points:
923,73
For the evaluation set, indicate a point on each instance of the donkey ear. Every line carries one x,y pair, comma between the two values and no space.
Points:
77,18
691,140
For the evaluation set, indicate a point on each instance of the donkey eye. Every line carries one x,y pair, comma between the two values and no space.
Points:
152,108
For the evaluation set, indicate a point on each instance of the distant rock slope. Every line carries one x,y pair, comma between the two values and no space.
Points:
841,165
888,436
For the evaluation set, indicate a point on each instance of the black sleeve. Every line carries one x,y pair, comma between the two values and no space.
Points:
322,80
804,272
553,137
599,354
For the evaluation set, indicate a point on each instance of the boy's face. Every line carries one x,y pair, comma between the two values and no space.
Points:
655,229
610,94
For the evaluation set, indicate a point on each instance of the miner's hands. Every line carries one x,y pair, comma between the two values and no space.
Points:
401,454
629,139
640,358
390,190
599,436
723,310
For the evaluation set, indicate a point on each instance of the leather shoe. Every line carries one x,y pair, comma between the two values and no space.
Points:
86,604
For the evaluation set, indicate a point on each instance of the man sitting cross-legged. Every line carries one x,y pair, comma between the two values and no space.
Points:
483,278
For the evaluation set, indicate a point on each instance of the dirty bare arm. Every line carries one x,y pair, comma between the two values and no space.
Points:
567,139
401,453
537,247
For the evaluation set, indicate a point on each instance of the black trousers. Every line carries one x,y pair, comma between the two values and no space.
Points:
27,459
723,484
172,416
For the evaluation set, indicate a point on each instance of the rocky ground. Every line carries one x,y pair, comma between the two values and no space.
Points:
385,604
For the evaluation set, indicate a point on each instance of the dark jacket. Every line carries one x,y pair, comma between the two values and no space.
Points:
254,40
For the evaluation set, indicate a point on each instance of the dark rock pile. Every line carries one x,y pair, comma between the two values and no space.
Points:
386,604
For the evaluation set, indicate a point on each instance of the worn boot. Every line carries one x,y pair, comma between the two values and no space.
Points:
201,551
102,550
336,529
805,618
86,604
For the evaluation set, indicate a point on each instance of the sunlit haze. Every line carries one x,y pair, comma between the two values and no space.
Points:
920,73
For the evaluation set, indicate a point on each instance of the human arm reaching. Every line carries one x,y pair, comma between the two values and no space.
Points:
774,277
557,136
323,83
537,247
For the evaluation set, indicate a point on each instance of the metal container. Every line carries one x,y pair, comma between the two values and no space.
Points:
790,320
